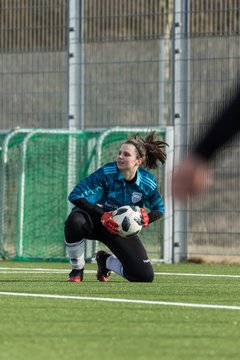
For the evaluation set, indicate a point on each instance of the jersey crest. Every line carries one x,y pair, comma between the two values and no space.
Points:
136,197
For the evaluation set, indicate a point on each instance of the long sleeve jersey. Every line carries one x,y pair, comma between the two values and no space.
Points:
107,189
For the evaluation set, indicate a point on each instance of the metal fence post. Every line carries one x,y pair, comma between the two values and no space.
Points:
75,65
179,91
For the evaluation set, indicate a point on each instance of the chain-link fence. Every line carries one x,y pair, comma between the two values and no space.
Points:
131,63
33,63
208,56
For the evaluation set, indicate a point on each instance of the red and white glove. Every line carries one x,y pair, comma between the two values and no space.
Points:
145,218
109,223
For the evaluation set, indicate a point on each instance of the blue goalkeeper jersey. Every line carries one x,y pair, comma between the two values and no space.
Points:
107,188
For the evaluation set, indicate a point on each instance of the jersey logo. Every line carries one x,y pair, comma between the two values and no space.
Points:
136,197
146,261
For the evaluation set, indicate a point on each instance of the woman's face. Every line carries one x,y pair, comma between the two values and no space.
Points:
127,157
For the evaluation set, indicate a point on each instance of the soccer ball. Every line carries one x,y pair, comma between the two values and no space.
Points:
129,219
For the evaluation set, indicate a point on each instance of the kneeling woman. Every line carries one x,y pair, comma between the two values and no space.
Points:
125,181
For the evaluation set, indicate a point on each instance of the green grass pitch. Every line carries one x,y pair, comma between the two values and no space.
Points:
163,320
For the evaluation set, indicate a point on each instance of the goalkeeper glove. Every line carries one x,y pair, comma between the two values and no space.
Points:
145,218
109,223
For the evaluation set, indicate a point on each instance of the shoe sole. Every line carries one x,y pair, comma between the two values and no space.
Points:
102,278
75,279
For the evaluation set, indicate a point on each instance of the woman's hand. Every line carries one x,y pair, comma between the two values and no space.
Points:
145,218
190,177
109,223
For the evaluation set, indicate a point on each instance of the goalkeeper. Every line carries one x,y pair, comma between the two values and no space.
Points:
125,181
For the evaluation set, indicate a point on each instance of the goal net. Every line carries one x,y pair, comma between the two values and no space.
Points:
39,169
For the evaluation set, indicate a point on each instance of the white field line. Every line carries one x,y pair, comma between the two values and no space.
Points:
144,302
32,269
201,275
6,270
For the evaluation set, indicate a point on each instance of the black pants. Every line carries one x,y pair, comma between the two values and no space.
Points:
130,251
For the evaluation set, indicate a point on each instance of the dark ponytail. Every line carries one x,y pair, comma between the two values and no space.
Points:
149,149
